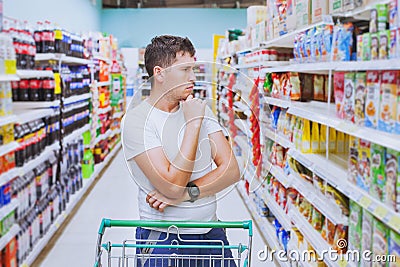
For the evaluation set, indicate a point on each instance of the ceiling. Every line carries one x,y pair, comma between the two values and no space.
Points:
181,3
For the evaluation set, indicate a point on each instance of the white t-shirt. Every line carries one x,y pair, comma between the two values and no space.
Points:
146,127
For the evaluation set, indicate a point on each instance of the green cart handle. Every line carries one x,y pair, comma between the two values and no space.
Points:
108,223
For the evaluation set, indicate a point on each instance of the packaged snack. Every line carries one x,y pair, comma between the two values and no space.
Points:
319,87
346,42
337,35
393,14
302,13
382,16
388,101
349,92
338,88
378,159
359,47
295,83
373,21
366,46
322,138
332,140
374,46
391,171
340,233
317,220
364,165
318,39
282,201
359,106
328,231
319,184
372,99
335,6
326,45
337,199
393,44
353,160
306,87
379,239
340,143
306,137
355,226
384,44
366,244
394,248
315,137
398,186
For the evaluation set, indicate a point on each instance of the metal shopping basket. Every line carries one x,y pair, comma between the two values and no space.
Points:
126,254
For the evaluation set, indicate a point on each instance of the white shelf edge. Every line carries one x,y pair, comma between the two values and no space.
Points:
104,110
7,176
24,116
4,240
262,64
75,60
100,57
26,74
77,98
118,115
100,84
277,211
71,205
4,120
5,210
4,149
9,77
103,136
36,105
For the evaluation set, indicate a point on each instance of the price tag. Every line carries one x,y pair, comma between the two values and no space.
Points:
381,212
395,222
57,83
365,202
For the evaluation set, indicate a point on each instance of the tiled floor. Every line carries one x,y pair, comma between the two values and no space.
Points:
114,196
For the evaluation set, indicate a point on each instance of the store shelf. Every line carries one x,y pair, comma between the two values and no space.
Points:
358,12
5,210
75,60
103,136
277,211
8,77
265,227
247,50
4,120
262,64
244,127
278,173
24,116
103,110
102,58
277,102
76,134
77,98
27,74
118,115
312,236
115,131
43,242
100,84
8,176
320,67
388,64
4,240
4,149
35,104
278,138
287,40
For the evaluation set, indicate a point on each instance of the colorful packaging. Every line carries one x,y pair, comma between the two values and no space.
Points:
319,8
366,46
366,243
359,47
295,83
364,165
341,233
332,140
317,220
340,146
349,96
326,45
359,106
384,44
348,5
335,6
306,137
373,21
374,46
392,175
379,238
398,186
315,137
355,226
378,158
372,99
353,160
338,88
382,16
393,44
322,139
394,248
388,101
302,13
345,42
393,14
319,87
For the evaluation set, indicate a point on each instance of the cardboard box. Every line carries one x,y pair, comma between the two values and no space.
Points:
393,44
355,226
348,5
372,99
388,101
303,13
378,158
319,8
392,176
339,93
349,96
335,6
359,106
364,165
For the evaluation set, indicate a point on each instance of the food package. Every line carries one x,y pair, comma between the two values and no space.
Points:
303,13
322,139
332,140
319,184
388,101
317,220
394,248
393,15
374,46
355,226
392,175
335,6
319,88
340,143
359,47
345,42
366,243
337,199
372,99
364,165
348,5
397,125
319,8
353,160
359,106
282,201
328,231
326,42
379,239
306,87
295,92
393,48
378,160
366,46
338,78
315,137
349,96
373,21
384,44
340,233
306,137
382,16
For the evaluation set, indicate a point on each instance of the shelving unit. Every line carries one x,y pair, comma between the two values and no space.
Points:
4,149
4,240
76,134
77,98
7,119
8,77
26,74
5,210
24,116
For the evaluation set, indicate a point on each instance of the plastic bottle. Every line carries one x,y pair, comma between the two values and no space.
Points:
47,38
58,40
87,164
37,35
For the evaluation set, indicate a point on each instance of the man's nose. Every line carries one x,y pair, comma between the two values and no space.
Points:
192,77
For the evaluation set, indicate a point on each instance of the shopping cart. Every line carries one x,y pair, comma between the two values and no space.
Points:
126,254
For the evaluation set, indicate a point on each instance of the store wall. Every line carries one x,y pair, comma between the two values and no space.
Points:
73,15
136,27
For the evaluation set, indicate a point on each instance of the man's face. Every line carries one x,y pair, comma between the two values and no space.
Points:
179,78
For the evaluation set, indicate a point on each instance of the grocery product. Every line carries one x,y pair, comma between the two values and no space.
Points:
319,87
372,99
391,171
348,5
335,6
340,233
340,143
388,101
360,94
355,226
322,138
374,46
393,14
379,239
306,137
384,44
382,16
339,93
366,46
360,47
306,87
378,160
394,248
393,47
315,137
319,8
303,13
364,165
332,140
328,231
319,184
295,92
317,220
367,224
337,199
373,21
349,95
353,160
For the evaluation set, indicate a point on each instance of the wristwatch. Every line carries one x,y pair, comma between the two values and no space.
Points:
193,191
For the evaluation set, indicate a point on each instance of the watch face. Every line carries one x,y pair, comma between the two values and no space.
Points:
194,191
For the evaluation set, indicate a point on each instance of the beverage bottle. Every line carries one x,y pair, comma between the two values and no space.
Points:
37,35
87,164
23,92
66,42
47,38
58,40
15,90
24,46
31,47
48,88
34,89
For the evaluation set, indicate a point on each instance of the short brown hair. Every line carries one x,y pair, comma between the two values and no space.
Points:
163,49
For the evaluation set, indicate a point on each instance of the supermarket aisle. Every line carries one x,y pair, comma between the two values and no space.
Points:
114,196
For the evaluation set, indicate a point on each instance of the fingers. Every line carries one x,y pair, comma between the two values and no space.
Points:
189,97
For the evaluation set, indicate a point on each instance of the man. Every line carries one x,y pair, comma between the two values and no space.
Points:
170,141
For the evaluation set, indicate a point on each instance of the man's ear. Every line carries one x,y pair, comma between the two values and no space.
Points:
158,74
